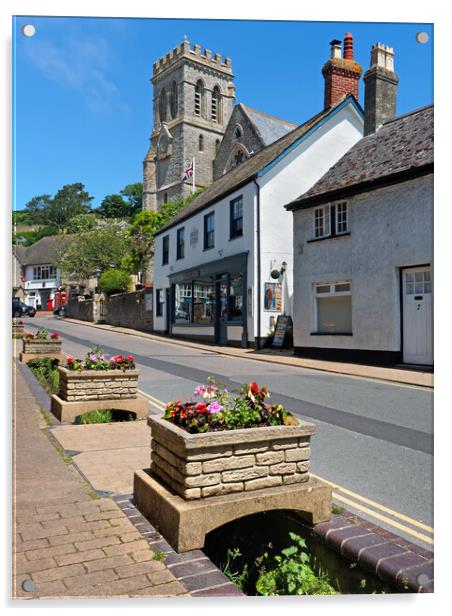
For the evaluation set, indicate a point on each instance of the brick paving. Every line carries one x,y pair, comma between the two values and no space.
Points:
67,542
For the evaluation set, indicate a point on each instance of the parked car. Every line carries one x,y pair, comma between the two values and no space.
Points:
20,309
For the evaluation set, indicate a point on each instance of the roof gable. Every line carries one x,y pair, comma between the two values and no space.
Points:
258,164
401,146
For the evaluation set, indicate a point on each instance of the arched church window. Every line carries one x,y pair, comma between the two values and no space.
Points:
217,146
239,157
237,132
201,143
199,98
174,101
162,105
216,104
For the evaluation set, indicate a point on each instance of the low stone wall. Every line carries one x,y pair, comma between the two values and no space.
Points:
81,310
130,310
17,331
203,465
79,386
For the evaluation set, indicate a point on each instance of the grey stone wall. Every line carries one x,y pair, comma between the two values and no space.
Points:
250,141
41,346
81,310
130,310
185,67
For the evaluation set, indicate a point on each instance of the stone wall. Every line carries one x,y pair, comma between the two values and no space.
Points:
81,310
231,462
78,386
130,310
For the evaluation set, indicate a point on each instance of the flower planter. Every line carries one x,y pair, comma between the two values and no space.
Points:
17,330
81,391
198,482
36,349
216,463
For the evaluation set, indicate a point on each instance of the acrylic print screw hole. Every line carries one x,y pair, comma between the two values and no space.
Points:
422,37
28,30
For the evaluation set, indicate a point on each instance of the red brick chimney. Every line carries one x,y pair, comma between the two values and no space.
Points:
341,74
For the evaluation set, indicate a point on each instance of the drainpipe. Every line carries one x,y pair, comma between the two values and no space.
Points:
258,250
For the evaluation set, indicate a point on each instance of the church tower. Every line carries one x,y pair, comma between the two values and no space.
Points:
193,98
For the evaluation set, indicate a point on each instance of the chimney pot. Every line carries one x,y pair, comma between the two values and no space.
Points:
348,46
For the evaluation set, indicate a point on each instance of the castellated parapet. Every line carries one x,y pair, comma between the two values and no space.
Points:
183,50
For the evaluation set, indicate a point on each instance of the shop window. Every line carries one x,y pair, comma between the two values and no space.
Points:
209,231
182,302
203,301
235,297
333,308
236,218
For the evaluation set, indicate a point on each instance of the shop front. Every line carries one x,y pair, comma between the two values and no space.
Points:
209,302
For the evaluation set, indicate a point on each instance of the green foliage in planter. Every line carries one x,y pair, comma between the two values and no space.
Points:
114,281
290,573
105,416
45,370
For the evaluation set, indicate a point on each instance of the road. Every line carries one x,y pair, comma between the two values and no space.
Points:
374,439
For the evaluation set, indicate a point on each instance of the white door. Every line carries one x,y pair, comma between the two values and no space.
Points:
417,316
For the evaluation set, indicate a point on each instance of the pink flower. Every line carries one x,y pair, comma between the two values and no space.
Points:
215,407
199,390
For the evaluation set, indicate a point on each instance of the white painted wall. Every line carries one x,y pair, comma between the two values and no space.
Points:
287,180
390,228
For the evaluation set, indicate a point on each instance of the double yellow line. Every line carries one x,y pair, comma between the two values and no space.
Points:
358,502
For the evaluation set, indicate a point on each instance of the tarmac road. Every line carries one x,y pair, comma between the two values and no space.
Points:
374,439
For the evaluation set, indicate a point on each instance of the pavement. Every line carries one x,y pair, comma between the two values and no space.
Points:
68,542
419,377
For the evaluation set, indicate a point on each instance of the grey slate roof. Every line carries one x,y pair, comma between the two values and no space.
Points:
269,128
244,172
401,145
41,252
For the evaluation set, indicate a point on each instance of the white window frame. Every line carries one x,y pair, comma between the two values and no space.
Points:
326,226
330,293
345,219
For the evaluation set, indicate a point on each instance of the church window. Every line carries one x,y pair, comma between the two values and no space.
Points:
239,157
199,98
217,146
201,143
162,105
174,102
216,104
237,132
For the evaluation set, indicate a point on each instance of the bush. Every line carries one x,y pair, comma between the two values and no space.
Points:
114,281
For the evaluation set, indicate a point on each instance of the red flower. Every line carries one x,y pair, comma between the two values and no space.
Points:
201,408
254,388
55,336
69,360
130,358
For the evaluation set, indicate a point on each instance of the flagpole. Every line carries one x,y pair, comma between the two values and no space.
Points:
193,177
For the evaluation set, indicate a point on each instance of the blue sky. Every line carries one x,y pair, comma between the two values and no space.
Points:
83,99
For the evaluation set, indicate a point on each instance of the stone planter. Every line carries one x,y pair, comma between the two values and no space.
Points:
36,349
198,482
81,391
215,463
18,330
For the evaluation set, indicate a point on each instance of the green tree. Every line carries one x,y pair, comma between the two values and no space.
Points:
133,193
68,202
90,253
145,225
114,281
82,223
114,206
36,209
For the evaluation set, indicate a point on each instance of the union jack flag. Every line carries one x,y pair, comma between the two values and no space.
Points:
188,171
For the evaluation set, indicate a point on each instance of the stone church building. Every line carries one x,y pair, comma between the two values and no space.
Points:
195,116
